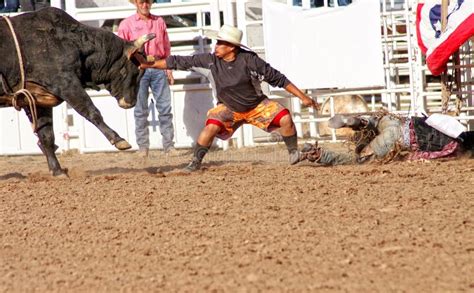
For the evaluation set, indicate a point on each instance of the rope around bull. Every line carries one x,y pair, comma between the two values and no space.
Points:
22,91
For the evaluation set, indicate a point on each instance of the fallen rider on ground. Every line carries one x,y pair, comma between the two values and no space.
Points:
385,137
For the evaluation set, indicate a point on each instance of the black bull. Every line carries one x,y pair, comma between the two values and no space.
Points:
61,58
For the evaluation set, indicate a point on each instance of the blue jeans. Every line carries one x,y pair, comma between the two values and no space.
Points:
9,6
156,80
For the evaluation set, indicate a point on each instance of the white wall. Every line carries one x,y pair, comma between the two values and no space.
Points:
17,136
190,104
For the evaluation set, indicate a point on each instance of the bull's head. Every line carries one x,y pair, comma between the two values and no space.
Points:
126,82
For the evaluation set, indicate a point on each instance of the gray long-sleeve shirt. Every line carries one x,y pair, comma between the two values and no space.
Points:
237,82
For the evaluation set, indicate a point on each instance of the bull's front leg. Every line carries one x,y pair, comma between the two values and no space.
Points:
86,108
44,130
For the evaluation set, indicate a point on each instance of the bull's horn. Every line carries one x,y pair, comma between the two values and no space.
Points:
143,39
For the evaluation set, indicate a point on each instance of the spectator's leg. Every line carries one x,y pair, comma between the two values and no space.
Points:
11,6
39,4
344,2
162,95
141,113
27,5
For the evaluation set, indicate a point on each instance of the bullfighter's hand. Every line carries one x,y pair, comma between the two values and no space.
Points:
148,63
145,65
309,102
150,58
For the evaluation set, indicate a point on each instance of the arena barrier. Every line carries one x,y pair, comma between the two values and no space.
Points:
409,88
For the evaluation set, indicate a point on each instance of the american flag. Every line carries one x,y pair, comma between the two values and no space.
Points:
437,45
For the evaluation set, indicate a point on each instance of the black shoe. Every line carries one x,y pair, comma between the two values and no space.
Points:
193,166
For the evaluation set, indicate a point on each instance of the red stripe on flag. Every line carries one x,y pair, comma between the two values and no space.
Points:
437,60
418,32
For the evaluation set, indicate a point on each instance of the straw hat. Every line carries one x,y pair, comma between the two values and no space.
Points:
228,34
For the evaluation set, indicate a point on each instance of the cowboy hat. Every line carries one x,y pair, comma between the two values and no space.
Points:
228,34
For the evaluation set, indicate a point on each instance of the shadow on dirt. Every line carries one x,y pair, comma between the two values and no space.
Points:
165,170
161,171
15,175
120,170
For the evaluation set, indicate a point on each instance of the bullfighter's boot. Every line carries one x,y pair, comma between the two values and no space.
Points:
199,153
291,143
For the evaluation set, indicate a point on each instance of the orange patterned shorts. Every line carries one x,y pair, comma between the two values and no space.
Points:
265,116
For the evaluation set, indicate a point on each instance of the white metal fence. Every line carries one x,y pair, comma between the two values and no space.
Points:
408,85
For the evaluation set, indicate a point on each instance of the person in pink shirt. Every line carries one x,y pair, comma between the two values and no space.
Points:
131,28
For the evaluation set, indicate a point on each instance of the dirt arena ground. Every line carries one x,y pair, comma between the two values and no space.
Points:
247,223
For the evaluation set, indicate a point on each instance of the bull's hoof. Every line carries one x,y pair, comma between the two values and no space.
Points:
122,145
60,173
